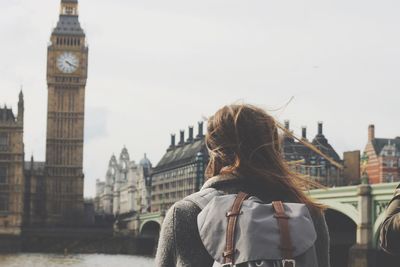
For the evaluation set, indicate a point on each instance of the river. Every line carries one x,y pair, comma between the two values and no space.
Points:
79,260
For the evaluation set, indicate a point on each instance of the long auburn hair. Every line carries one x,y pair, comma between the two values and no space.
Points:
244,139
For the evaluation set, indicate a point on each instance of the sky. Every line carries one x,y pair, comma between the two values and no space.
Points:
156,67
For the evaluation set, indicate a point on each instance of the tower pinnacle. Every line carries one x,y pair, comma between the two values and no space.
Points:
69,7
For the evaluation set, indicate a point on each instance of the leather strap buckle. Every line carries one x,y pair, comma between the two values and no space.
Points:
288,263
231,213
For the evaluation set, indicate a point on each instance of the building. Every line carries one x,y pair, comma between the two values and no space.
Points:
67,65
11,169
53,191
305,161
180,172
381,158
49,193
35,193
126,189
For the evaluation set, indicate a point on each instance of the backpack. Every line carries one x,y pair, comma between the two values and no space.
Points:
240,230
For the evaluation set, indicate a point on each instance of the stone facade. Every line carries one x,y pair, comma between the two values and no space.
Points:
180,171
67,64
126,189
382,158
11,169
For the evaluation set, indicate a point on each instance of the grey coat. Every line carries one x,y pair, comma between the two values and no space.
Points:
180,244
390,229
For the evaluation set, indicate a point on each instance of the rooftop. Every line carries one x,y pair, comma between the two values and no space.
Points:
6,115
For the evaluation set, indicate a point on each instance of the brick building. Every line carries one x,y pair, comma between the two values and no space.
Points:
382,158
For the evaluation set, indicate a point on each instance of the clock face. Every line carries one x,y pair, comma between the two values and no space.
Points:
67,62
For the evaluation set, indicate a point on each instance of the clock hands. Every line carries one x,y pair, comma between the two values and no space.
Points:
69,63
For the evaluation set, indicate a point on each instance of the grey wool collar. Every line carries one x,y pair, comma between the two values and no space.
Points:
219,178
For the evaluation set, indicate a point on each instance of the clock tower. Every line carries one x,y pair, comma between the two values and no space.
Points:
67,66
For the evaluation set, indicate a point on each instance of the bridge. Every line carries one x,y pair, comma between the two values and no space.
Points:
354,214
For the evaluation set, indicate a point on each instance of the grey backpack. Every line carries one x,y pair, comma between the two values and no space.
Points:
238,230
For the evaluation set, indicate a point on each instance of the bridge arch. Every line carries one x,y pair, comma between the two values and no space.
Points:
150,228
343,235
347,209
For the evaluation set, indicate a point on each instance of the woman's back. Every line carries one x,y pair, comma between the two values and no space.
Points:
180,243
242,140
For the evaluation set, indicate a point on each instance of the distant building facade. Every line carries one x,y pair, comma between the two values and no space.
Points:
305,161
11,169
382,158
126,189
180,172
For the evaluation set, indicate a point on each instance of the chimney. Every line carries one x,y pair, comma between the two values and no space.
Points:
304,132
287,125
190,138
371,132
172,145
182,139
320,127
200,133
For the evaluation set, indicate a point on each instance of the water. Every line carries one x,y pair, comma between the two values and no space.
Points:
79,260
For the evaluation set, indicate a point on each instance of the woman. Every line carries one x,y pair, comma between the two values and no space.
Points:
245,155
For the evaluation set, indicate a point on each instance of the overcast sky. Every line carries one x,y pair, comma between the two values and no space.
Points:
158,66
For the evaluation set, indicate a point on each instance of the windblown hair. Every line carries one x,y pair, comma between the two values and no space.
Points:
244,139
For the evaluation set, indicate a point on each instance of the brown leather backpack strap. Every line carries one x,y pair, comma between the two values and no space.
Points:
286,246
229,253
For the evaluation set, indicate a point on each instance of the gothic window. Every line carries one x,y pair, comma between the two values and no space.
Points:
3,175
4,202
3,141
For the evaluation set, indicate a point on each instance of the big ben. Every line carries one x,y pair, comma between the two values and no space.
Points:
67,66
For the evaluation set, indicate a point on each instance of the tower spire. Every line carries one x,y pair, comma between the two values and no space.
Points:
69,7
21,106
68,22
